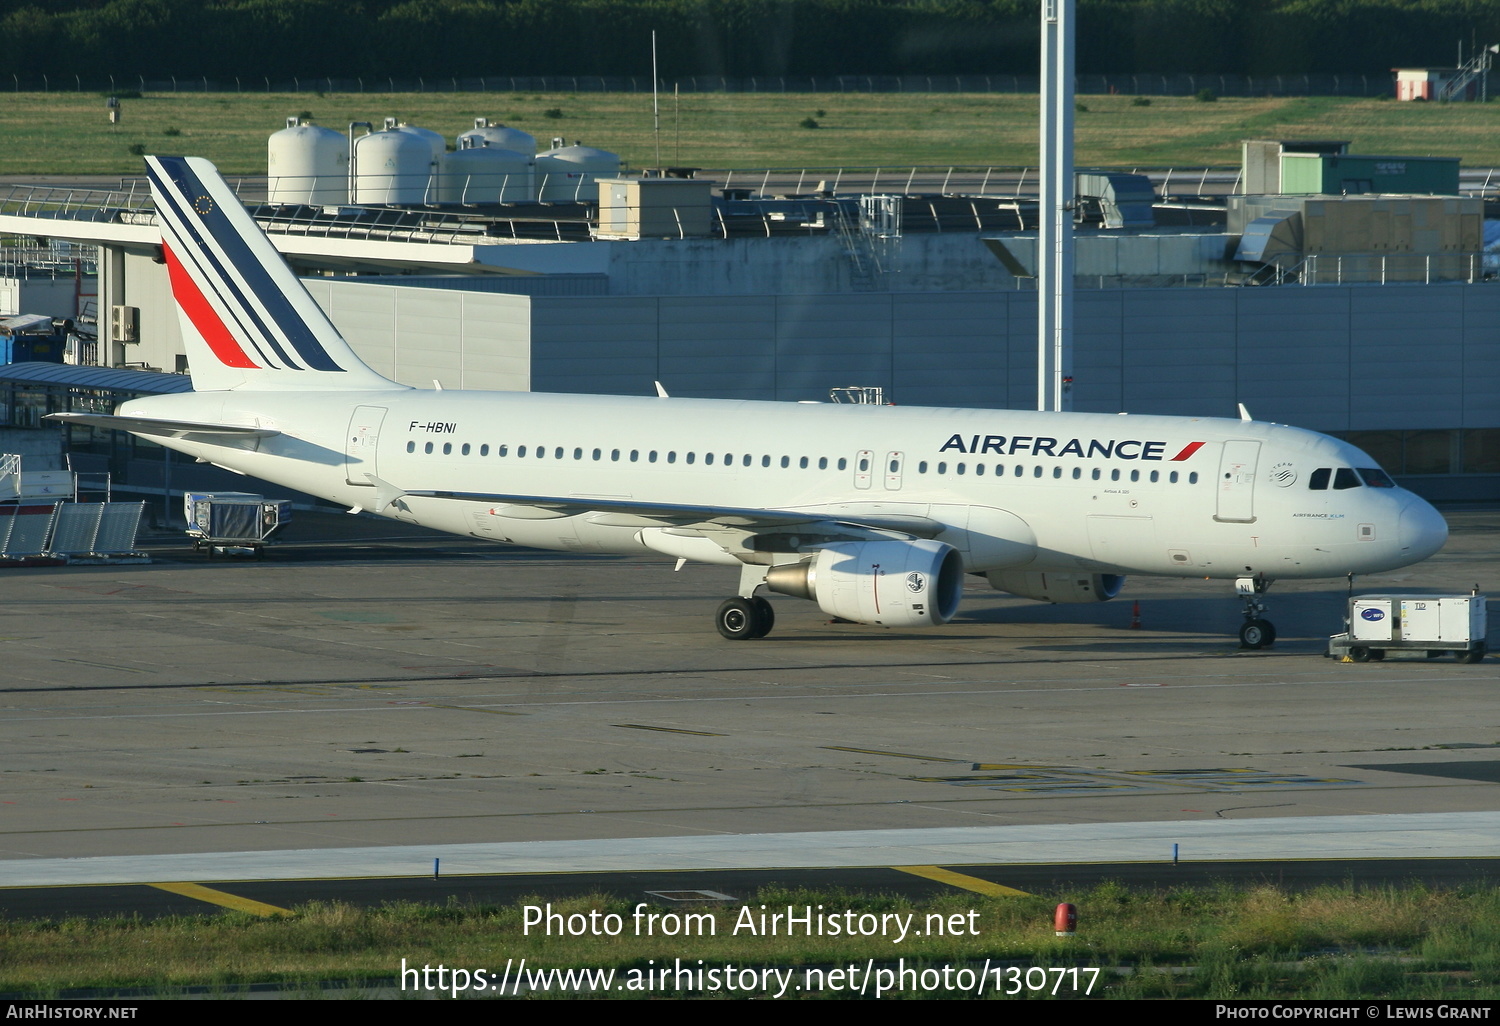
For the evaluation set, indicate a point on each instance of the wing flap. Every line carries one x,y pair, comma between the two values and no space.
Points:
632,513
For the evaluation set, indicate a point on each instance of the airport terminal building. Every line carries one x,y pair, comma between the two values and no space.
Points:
1366,314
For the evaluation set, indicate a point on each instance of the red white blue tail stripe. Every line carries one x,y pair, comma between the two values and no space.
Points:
247,321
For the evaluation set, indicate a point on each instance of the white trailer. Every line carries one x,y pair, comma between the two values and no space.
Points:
1430,624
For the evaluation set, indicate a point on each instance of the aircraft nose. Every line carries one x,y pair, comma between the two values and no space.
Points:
1423,530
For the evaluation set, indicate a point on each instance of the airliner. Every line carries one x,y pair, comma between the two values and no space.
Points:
876,513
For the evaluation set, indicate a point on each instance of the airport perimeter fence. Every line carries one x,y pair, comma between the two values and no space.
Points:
1318,84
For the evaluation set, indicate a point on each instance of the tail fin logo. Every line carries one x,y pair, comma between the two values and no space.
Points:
234,291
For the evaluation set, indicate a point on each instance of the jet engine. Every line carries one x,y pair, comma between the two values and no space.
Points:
1057,585
894,583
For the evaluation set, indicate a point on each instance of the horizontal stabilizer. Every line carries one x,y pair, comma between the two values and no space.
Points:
166,428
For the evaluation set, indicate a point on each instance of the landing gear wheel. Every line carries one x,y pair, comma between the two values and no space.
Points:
741,619
766,614
1257,634
1256,631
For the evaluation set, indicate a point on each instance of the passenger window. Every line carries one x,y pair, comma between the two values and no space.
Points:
822,462
765,461
447,448
465,450
635,455
1095,474
1057,472
745,460
597,454
708,458
411,446
484,450
1155,476
1172,477
843,463
1135,475
520,450
652,457
802,463
672,456
577,454
979,470
922,467
1077,473
1036,471
942,468
959,469
1193,477
1345,478
427,448
786,461
614,455
690,457
557,453
1114,475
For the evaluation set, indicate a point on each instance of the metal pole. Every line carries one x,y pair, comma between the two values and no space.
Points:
655,107
1055,213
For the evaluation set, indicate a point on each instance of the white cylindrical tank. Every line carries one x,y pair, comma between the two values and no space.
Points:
391,167
567,173
307,164
434,140
486,133
485,174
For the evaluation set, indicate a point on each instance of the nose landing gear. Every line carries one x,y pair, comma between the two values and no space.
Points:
1256,631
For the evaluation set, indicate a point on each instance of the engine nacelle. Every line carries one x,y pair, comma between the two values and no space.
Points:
894,583
1057,585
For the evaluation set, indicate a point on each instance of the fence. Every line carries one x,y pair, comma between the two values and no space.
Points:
1314,84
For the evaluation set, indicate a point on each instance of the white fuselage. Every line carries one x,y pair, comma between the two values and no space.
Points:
1014,490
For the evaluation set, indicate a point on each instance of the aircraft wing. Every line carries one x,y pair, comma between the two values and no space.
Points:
156,426
630,512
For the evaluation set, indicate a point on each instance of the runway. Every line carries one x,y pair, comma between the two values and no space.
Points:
362,698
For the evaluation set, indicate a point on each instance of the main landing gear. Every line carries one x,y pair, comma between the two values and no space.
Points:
1256,631
741,619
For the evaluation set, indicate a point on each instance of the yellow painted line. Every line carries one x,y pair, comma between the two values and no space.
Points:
670,730
894,755
963,881
213,897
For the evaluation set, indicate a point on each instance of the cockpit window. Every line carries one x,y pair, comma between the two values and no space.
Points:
1345,478
1318,480
1376,478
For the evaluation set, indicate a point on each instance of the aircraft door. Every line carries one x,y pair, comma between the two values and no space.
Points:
360,444
864,465
1236,503
893,461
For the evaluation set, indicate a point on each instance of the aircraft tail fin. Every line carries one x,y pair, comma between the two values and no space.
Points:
247,322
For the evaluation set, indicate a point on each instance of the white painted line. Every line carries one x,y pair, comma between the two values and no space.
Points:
1423,835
